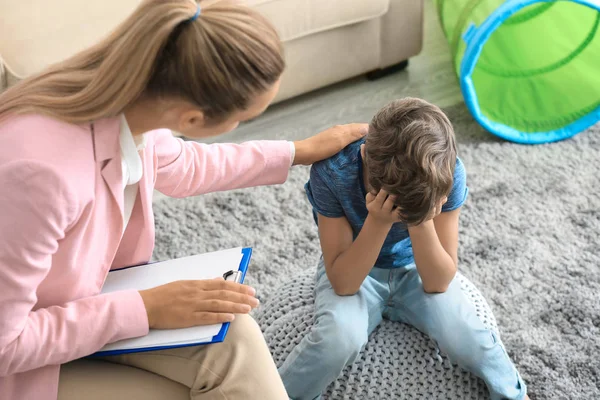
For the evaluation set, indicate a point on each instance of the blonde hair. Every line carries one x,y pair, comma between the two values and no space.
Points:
218,62
410,152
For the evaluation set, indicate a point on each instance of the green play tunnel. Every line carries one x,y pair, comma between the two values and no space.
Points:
529,70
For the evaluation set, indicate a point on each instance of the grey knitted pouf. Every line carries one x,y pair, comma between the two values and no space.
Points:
398,362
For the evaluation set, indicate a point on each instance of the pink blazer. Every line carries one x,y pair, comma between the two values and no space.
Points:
61,218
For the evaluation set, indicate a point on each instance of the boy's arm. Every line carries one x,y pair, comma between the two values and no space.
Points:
435,242
435,248
348,262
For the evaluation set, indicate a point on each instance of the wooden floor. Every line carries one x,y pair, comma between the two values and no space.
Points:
429,76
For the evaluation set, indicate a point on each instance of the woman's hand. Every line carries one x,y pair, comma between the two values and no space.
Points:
327,143
183,304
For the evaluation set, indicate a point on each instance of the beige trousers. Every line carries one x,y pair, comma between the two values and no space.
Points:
239,368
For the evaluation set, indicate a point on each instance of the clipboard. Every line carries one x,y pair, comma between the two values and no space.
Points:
233,275
240,275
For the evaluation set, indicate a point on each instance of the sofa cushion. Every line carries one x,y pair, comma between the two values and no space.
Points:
298,18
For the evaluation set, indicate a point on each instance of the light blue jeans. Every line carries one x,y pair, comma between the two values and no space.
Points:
342,325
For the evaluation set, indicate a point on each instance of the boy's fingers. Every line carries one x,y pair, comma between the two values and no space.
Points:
444,200
389,203
370,197
381,197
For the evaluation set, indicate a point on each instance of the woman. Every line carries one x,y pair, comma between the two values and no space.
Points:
82,147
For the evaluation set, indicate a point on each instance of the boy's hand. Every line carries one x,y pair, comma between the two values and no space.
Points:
437,210
381,208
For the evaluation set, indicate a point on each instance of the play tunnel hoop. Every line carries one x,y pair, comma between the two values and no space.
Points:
476,38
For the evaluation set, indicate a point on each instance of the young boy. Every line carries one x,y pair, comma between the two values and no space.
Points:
387,208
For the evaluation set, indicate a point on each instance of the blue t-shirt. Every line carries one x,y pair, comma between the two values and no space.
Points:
336,189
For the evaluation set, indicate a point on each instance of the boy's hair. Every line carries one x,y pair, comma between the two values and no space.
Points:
410,152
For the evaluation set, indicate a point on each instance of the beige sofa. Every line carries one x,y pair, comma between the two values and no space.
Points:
326,41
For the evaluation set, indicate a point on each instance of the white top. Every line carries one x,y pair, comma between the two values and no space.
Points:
131,166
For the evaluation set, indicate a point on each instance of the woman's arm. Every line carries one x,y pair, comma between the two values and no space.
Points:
191,168
37,207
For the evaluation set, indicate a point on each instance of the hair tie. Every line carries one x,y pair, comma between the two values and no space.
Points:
195,17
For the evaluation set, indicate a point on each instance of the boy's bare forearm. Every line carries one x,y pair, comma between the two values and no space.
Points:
351,267
435,266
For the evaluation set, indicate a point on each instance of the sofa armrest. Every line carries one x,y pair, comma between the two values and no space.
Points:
401,32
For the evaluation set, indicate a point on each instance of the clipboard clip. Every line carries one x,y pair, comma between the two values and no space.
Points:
234,276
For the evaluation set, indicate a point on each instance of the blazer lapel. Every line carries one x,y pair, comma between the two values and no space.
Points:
108,158
146,188
138,239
